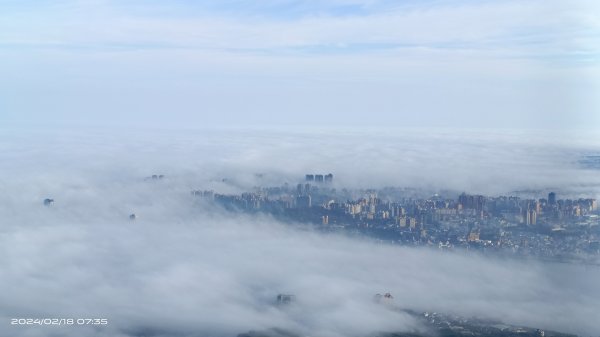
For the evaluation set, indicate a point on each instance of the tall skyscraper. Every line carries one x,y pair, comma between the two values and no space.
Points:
303,201
551,198
530,217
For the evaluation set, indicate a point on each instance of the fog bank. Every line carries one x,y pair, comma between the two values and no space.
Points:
182,270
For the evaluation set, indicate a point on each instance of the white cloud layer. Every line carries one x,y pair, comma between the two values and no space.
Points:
181,269
450,63
477,161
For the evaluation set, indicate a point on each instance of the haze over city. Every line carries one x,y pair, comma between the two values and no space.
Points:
299,168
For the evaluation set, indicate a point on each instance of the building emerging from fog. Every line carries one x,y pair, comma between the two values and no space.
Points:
303,201
385,298
285,299
319,178
551,198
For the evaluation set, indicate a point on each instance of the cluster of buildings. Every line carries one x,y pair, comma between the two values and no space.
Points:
452,325
548,227
319,178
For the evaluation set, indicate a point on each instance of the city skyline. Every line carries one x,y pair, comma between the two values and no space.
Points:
507,225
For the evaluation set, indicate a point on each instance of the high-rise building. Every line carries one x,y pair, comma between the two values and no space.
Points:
319,178
467,201
303,201
284,299
530,217
551,198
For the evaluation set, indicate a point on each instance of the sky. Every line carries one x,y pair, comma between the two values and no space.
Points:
528,64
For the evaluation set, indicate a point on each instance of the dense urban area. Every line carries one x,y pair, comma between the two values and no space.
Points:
548,227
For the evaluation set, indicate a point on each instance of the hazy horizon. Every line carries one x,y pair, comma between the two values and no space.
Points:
497,162
116,115
456,63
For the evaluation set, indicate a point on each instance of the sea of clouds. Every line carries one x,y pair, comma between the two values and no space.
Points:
182,270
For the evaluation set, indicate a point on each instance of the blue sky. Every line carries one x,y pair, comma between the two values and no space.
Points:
509,64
